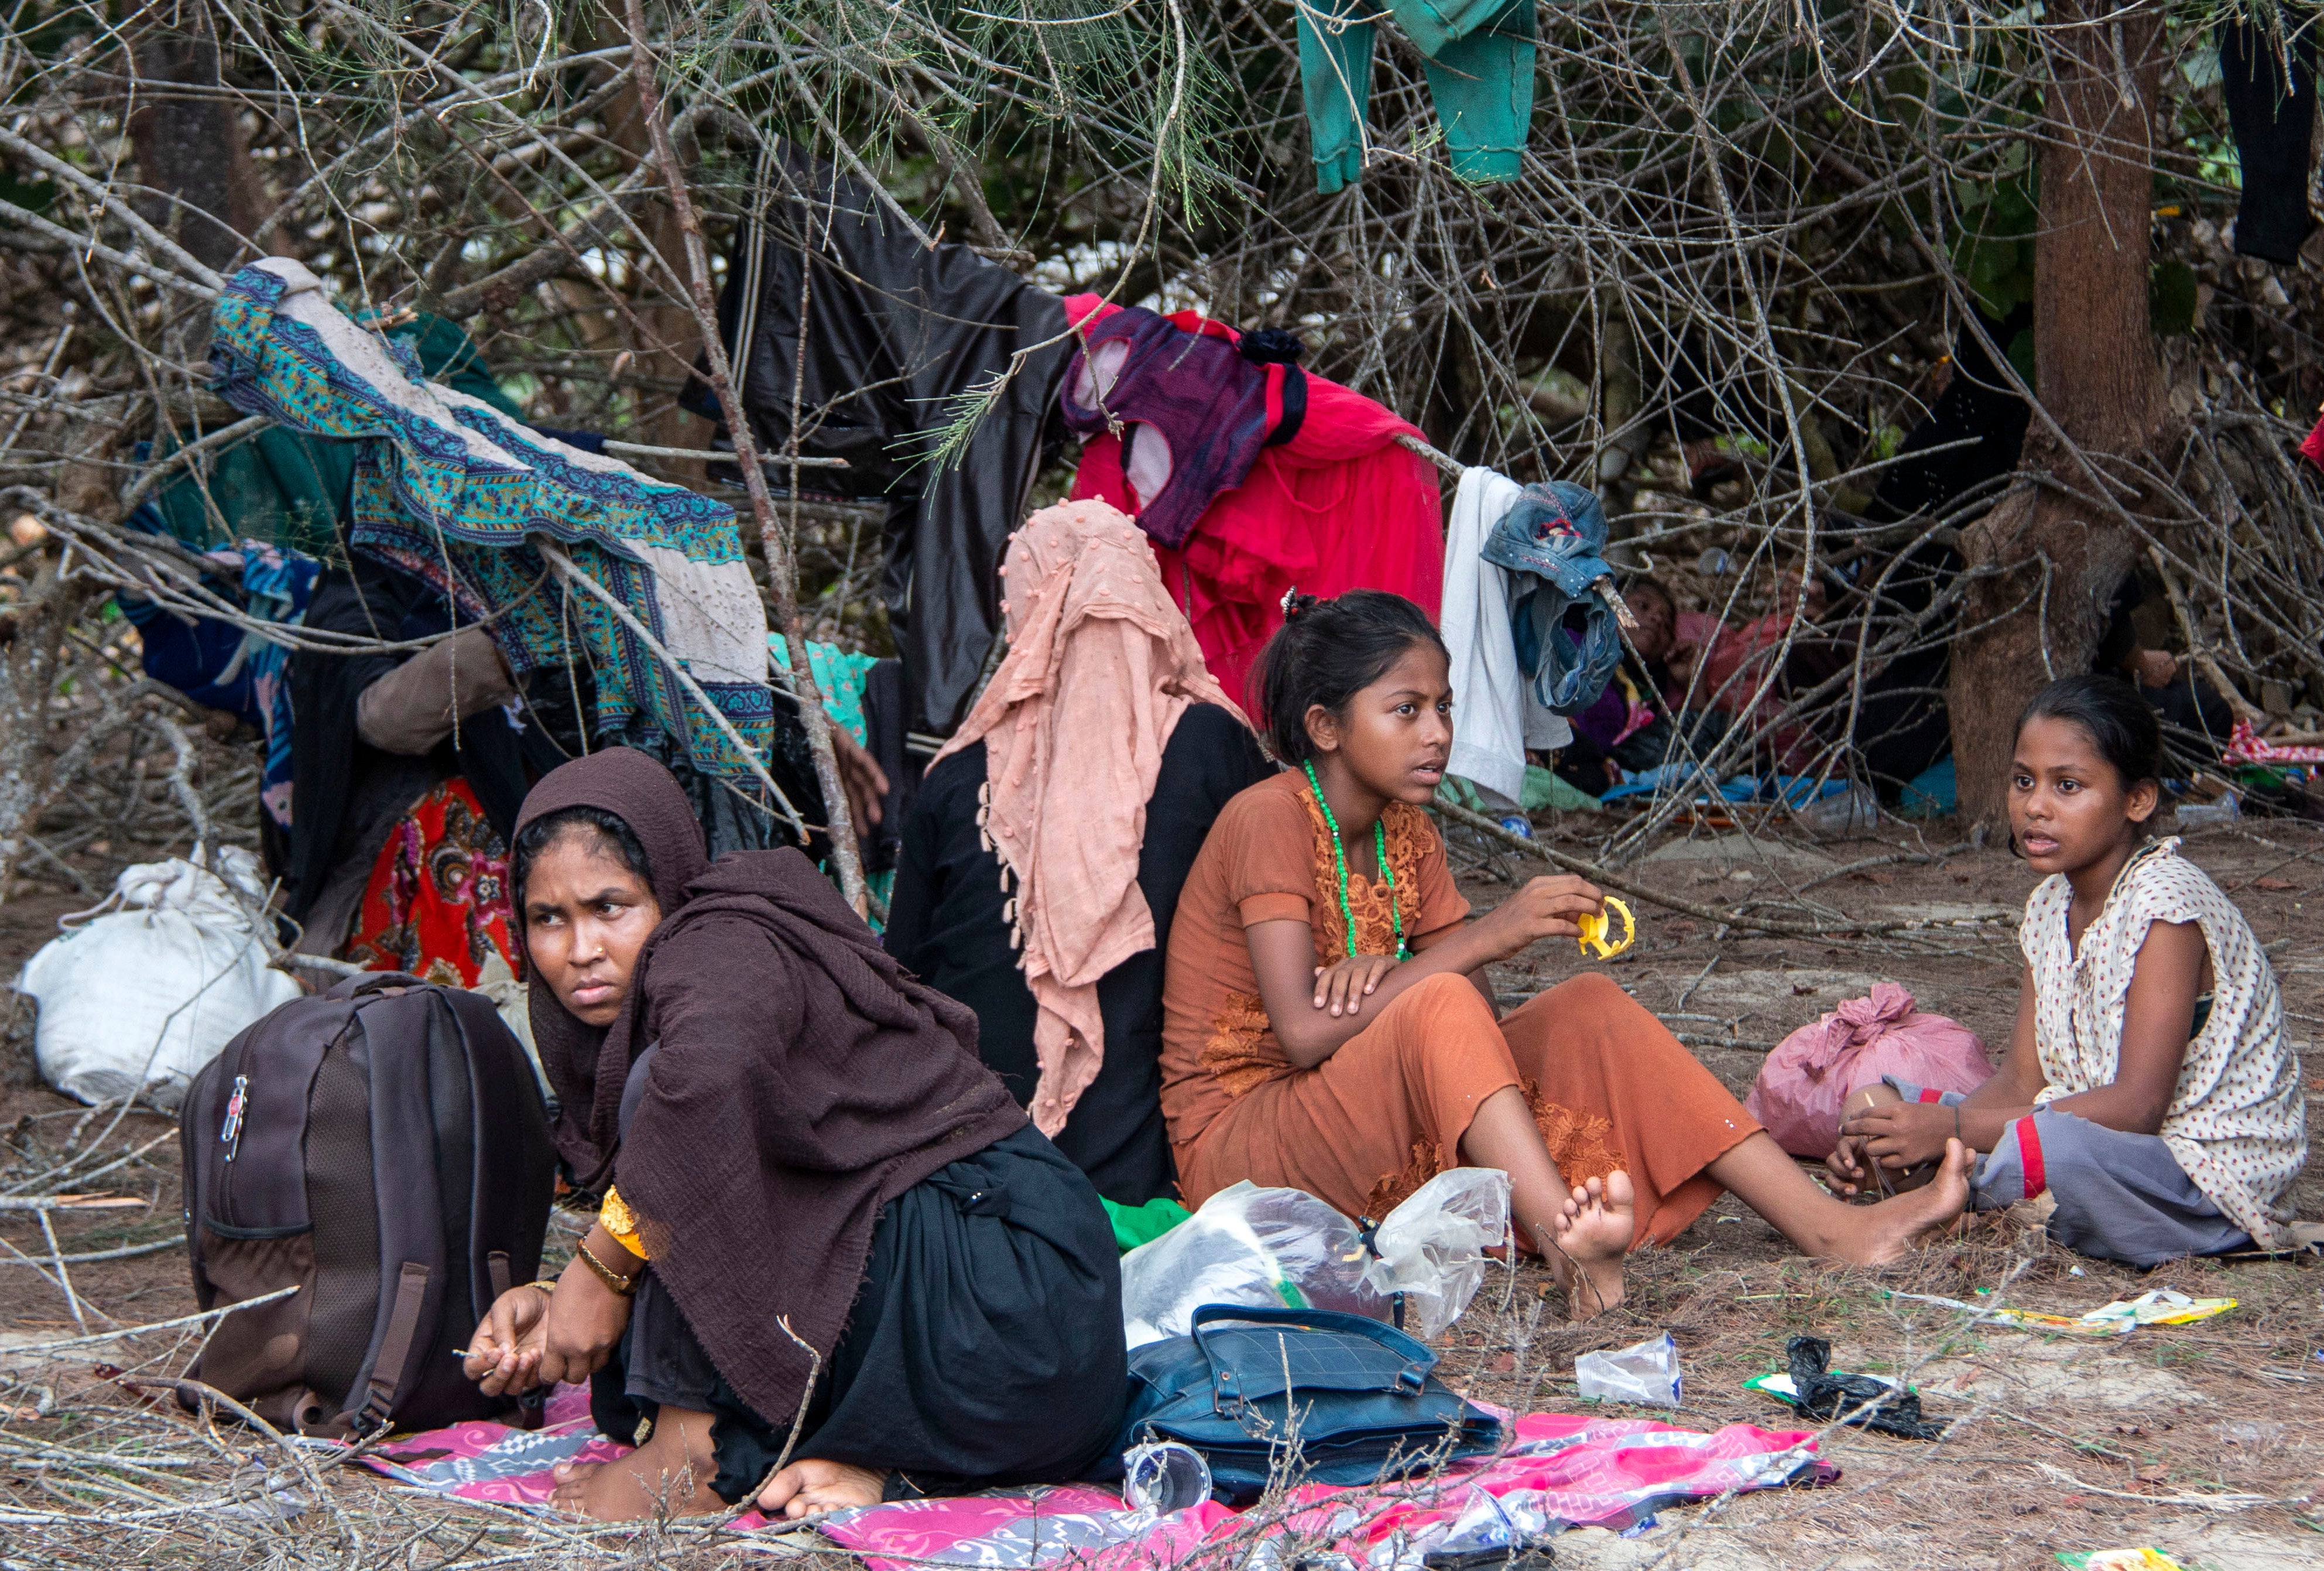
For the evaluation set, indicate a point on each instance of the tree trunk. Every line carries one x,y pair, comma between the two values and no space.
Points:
192,150
2099,377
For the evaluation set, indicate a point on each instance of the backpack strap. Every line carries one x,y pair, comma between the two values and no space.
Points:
394,1350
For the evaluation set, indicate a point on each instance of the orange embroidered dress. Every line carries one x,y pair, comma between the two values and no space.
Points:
1609,1086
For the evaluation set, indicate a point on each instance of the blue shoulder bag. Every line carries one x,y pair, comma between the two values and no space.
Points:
1360,1395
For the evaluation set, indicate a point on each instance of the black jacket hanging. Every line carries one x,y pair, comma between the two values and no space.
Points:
896,332
2273,121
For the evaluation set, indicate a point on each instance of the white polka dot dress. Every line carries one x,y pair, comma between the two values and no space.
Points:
2238,1123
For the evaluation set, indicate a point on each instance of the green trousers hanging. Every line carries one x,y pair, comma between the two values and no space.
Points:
1479,76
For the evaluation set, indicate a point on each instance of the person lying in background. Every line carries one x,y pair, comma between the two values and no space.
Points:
2148,1089
2192,714
1042,861
820,1211
1628,730
1330,1027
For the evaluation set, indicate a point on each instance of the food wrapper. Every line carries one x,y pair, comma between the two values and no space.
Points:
2163,1306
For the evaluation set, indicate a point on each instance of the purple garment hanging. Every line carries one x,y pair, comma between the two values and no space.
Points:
1194,410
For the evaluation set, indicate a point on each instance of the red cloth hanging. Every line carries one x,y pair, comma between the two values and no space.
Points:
1340,507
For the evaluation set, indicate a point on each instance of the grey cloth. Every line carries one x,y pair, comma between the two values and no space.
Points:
2119,1196
412,708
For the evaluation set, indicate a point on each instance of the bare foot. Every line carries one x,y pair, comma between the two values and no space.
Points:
811,1487
1591,1239
668,1475
1876,1234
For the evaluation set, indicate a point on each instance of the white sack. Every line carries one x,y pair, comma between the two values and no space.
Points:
147,995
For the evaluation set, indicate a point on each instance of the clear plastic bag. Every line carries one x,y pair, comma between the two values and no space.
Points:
1432,1248
1646,1371
1284,1248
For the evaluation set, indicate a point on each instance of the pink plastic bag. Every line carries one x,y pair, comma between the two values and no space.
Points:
1801,1087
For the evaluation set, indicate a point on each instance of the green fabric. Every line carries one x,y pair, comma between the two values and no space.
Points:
1137,1225
1434,26
286,488
280,489
840,675
1479,75
1483,88
1335,81
1544,789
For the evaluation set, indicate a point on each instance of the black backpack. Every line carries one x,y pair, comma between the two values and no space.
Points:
384,1148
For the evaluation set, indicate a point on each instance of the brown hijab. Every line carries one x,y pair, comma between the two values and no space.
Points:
804,1081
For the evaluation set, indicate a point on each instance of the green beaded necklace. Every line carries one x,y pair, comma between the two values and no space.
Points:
1340,856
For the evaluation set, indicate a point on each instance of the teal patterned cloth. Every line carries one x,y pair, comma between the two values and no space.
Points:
451,489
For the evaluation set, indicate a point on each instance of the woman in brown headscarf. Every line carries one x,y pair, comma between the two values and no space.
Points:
835,1263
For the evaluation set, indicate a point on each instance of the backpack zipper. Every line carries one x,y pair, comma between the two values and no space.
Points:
230,1132
230,1136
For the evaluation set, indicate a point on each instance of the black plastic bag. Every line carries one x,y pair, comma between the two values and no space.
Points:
1821,1394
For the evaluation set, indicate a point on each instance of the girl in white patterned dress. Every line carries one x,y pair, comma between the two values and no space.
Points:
2148,1088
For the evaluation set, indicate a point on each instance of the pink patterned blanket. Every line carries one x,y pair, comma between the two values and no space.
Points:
1561,1471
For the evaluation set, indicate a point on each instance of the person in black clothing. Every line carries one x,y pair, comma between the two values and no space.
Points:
1104,727
948,924
445,741
2196,721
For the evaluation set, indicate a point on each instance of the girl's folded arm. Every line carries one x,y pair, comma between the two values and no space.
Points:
1283,958
2158,1017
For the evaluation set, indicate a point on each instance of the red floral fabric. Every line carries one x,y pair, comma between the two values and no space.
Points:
437,903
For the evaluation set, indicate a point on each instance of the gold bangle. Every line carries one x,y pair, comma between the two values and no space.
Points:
545,1284
623,1285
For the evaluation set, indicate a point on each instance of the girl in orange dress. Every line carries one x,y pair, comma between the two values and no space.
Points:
1329,1026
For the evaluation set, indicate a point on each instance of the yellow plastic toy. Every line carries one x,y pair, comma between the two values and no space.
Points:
1593,930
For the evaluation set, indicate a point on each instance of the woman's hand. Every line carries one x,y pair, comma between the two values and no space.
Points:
1342,988
1546,908
2156,668
863,779
504,1354
1898,1135
586,1320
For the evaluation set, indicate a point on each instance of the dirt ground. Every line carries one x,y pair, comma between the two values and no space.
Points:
2205,1441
